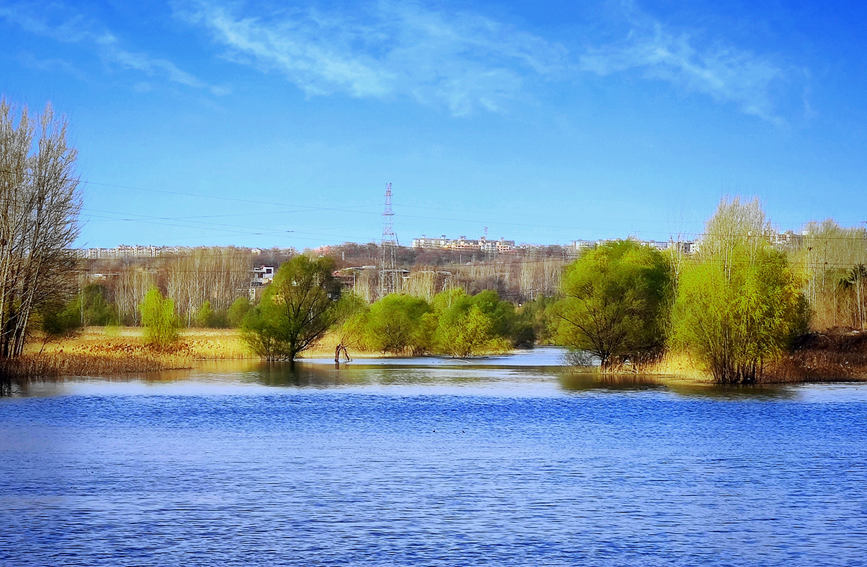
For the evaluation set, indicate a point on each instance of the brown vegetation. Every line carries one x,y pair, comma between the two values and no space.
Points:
835,355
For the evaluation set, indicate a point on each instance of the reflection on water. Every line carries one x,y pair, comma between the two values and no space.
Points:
539,372
445,463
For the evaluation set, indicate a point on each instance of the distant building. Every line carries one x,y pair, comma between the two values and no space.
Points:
262,275
465,244
686,247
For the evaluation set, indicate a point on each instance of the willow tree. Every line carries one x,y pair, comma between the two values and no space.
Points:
39,205
738,302
615,303
296,309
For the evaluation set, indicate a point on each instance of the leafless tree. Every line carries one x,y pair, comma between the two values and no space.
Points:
39,205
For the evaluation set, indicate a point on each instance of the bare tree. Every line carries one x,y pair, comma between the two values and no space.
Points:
39,205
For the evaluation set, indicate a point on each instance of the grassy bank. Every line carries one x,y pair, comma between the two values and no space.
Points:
118,350
105,351
815,357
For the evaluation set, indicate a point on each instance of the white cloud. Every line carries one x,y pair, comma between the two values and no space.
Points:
462,61
723,72
466,61
74,28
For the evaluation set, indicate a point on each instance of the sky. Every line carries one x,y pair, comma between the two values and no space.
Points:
218,122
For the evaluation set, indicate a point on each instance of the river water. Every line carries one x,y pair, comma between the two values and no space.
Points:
502,461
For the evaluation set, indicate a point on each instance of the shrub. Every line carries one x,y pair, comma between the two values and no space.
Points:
159,319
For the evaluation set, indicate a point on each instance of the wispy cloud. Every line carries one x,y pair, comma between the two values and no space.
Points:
61,24
467,61
721,71
461,60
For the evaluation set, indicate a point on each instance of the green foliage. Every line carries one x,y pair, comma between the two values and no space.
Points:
204,315
296,309
159,319
352,316
454,323
237,311
738,303
615,303
94,308
470,325
394,324
535,322
60,319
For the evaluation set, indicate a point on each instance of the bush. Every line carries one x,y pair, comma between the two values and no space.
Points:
159,319
60,319
394,324
237,311
470,325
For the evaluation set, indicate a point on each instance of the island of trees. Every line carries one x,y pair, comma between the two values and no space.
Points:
742,307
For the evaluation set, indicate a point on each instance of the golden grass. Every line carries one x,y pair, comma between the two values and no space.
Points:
194,344
679,365
110,350
118,350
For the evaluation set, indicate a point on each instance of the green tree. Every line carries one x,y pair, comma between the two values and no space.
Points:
204,315
94,308
615,303
60,319
237,311
352,315
466,325
296,309
159,319
738,302
394,324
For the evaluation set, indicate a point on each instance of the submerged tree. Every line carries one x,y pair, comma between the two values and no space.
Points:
296,309
615,303
738,303
39,205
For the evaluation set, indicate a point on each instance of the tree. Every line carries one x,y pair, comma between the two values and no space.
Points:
39,205
615,303
59,319
827,256
296,309
394,324
159,319
237,311
738,303
204,315
93,307
855,281
466,325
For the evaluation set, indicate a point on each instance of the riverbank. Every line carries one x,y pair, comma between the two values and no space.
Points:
120,350
817,357
99,351
831,356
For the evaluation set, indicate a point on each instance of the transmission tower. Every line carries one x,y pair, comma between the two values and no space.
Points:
388,276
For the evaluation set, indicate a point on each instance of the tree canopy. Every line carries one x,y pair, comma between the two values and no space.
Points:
738,302
615,303
296,309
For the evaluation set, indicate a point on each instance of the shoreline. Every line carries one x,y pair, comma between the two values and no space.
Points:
99,351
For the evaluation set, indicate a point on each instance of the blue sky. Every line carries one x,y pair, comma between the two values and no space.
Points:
225,122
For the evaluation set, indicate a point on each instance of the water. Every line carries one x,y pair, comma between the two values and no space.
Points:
506,461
